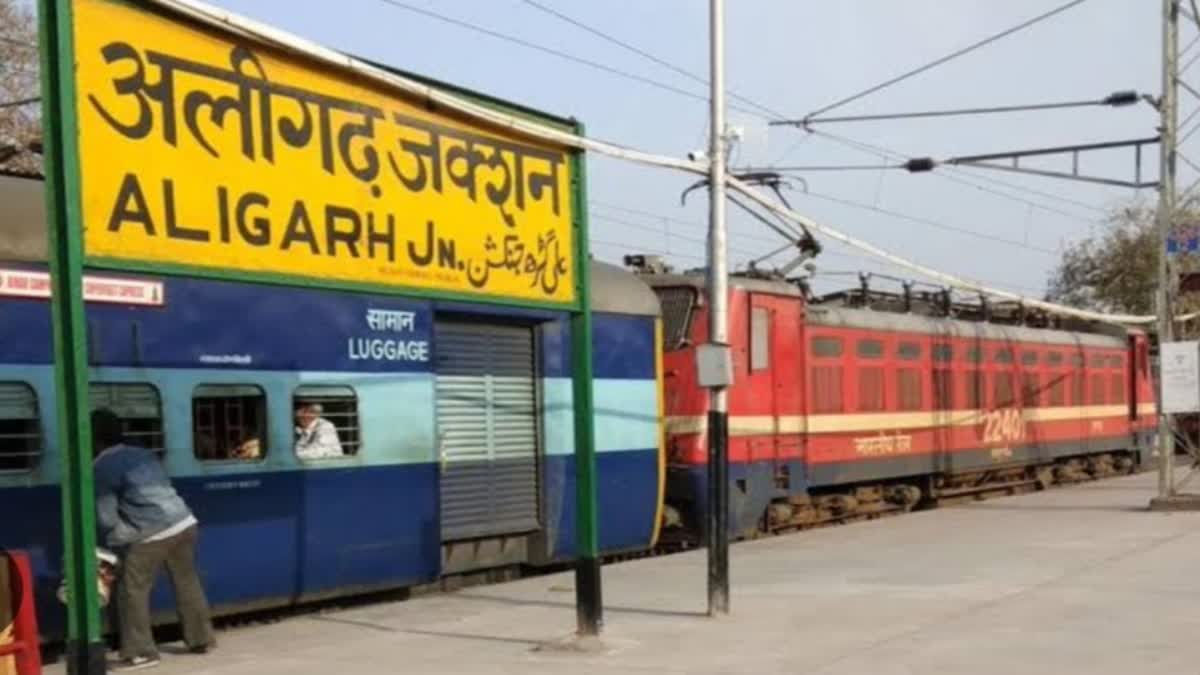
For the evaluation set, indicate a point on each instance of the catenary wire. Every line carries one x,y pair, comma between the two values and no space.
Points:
607,37
557,53
947,58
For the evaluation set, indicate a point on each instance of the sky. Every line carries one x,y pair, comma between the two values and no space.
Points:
795,57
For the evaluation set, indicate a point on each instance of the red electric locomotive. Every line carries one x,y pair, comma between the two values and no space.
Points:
866,402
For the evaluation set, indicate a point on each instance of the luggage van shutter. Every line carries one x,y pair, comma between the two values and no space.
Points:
487,429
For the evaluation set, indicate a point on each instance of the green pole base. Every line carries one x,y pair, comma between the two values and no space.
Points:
86,658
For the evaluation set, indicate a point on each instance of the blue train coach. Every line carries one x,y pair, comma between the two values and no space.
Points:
454,424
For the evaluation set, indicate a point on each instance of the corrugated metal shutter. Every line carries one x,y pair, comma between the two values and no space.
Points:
487,426
126,400
17,402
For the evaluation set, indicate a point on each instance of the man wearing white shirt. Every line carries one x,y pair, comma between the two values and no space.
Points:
316,437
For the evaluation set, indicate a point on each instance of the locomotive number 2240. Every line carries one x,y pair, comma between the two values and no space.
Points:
1001,426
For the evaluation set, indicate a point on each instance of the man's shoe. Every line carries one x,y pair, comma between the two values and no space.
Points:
135,663
203,649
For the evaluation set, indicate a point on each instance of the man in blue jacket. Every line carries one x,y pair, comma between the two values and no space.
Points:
141,517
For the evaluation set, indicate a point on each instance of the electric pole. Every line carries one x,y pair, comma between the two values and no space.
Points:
718,331
1167,107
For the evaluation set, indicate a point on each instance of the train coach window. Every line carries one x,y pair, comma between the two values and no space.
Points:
1058,390
1031,390
942,352
870,389
909,351
1003,355
827,389
229,422
974,355
973,389
1029,358
138,406
677,304
943,389
869,349
20,430
908,381
1098,361
1054,358
1097,386
760,338
826,346
1117,390
1002,390
1077,360
339,407
1116,362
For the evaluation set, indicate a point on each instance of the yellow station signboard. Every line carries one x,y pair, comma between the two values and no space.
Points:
200,149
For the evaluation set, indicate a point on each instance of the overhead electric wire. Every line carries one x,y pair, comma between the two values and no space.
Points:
20,102
542,7
1187,161
827,252
947,58
821,167
952,173
928,221
556,52
678,69
1183,125
650,228
1116,99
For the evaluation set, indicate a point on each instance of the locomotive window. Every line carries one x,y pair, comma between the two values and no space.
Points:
1031,390
826,346
973,389
942,352
229,422
943,389
1054,358
1117,391
1003,356
760,338
677,304
908,381
20,430
1098,389
870,389
139,408
339,407
1002,390
870,349
1058,390
827,389
909,351
1029,358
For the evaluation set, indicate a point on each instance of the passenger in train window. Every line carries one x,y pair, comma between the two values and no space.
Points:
316,437
248,449
141,518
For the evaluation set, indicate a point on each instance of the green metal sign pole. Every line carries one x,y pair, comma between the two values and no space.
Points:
589,608
85,650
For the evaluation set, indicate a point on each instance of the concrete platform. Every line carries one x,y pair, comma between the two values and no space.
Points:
1077,580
